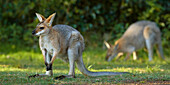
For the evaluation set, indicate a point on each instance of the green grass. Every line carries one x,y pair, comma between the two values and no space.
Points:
18,62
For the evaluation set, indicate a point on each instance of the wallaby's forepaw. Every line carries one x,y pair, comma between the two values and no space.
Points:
36,75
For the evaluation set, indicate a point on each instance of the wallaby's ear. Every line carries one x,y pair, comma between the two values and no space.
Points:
40,17
107,44
50,19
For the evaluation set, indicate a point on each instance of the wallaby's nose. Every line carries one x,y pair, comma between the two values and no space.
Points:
33,32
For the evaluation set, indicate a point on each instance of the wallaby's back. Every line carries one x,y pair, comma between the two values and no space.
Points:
134,35
65,32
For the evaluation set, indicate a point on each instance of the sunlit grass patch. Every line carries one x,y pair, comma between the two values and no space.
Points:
16,66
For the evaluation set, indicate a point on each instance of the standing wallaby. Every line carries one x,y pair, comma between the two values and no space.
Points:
64,42
140,34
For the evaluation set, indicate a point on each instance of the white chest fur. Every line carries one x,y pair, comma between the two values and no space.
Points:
46,44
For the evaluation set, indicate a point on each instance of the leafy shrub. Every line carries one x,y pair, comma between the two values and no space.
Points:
18,18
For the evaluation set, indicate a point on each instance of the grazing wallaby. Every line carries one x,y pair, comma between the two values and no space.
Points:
140,34
64,42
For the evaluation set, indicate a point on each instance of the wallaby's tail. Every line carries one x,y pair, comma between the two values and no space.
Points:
86,72
83,69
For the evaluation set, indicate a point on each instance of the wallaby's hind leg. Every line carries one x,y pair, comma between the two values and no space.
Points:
72,54
160,49
48,66
149,47
148,36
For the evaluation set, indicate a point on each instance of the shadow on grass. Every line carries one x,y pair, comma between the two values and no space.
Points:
17,63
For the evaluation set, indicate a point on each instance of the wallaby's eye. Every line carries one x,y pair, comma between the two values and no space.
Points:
41,28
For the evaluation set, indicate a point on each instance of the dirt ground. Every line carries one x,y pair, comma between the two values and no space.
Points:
131,83
149,83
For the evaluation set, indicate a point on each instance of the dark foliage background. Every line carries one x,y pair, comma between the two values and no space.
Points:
97,20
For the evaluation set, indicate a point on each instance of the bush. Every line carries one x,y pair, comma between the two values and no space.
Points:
18,17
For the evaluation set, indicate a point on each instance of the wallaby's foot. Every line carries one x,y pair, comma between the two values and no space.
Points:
150,59
60,77
38,75
163,58
64,76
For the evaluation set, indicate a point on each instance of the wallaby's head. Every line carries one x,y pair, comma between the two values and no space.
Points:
112,51
44,26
